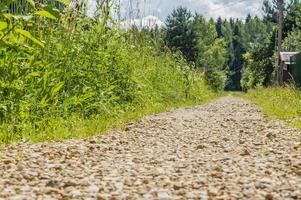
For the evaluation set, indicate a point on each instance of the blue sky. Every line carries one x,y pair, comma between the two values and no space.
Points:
208,8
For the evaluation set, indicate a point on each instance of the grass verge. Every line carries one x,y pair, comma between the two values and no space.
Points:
280,103
78,127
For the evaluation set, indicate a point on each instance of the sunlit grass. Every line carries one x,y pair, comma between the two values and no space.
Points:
281,103
77,127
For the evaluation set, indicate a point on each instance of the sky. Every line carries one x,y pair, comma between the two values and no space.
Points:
208,8
156,11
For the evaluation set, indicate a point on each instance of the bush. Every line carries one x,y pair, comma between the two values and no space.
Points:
216,80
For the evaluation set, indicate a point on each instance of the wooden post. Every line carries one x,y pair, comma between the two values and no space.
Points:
280,5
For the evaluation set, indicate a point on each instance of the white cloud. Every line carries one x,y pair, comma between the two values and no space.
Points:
148,22
226,8
208,8
162,8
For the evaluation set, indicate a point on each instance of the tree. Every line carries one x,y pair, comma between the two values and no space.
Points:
249,18
218,27
293,18
255,32
259,67
179,34
228,37
269,11
236,65
205,35
211,52
293,41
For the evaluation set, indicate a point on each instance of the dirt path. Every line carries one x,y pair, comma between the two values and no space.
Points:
221,150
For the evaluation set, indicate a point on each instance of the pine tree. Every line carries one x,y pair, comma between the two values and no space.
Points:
235,69
218,27
249,18
180,35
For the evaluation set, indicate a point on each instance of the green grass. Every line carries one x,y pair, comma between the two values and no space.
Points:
86,78
78,127
280,103
69,76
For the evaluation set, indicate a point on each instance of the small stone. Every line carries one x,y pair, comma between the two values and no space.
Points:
181,192
269,197
51,183
245,152
162,195
190,195
92,189
297,146
7,161
201,146
213,191
49,198
17,197
270,135
204,195
148,196
75,193
92,141
177,186
196,186
25,189
69,184
226,139
9,190
241,141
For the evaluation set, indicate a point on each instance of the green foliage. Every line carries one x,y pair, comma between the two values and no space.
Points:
259,67
215,79
179,34
197,39
215,56
255,33
239,48
293,17
72,76
219,27
293,41
251,53
269,12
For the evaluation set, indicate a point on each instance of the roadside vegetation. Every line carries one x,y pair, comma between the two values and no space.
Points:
280,103
64,75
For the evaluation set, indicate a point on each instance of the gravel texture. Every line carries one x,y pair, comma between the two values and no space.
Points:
221,150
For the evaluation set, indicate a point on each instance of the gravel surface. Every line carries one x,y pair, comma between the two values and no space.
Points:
221,150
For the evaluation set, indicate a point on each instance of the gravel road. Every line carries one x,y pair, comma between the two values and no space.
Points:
221,150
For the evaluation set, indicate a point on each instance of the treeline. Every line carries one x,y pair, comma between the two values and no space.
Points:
235,54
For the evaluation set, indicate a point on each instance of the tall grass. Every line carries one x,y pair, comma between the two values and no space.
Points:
69,76
282,103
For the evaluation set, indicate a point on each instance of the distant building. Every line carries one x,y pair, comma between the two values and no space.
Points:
286,63
295,69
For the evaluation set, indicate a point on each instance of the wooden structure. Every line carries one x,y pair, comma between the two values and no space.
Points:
295,69
285,62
